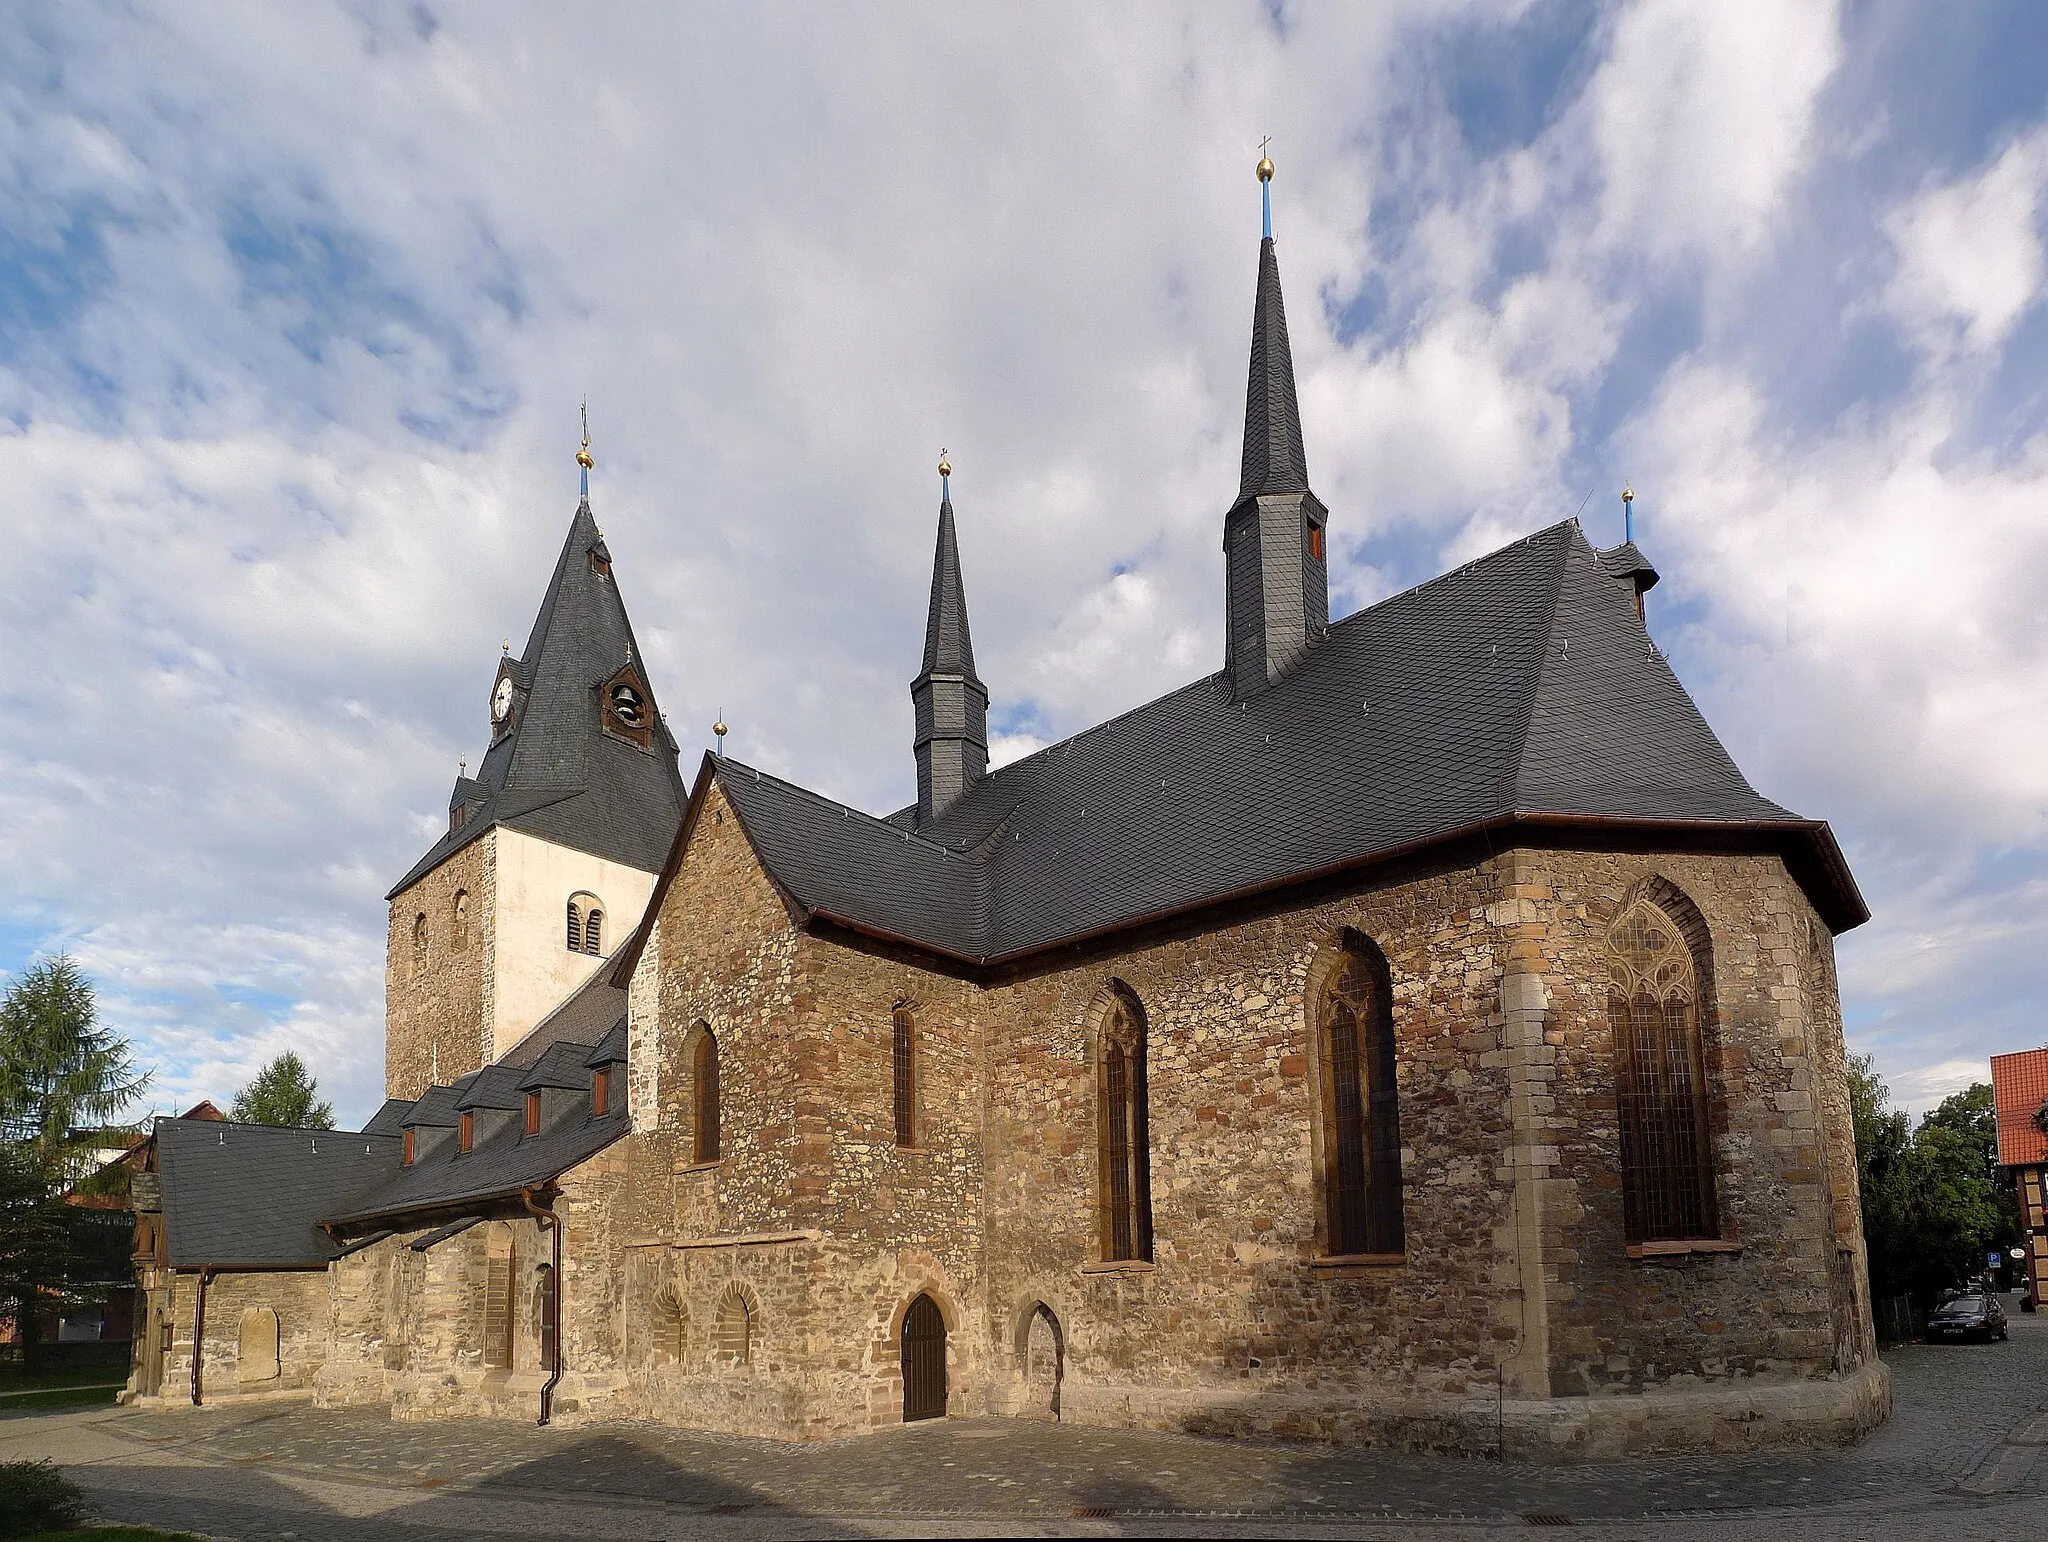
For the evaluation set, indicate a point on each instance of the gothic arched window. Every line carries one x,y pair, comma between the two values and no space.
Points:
1361,1108
1653,1002
1124,1190
903,1055
461,909
704,1097
419,943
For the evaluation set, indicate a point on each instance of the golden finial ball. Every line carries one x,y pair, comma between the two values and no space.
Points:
1628,495
583,456
1265,169
719,728
945,467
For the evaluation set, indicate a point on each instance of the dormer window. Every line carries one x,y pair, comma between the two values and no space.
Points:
533,1113
601,1092
405,1158
600,564
1315,541
456,815
466,1137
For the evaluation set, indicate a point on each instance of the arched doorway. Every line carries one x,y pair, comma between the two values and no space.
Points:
1045,1355
924,1361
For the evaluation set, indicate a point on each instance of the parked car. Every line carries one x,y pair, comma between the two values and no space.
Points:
1977,1315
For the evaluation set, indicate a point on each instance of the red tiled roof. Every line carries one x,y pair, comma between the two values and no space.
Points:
2019,1086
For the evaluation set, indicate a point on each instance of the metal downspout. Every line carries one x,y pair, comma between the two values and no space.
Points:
199,1335
554,1225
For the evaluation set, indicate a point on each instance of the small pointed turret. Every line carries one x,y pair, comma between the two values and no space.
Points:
950,700
1277,583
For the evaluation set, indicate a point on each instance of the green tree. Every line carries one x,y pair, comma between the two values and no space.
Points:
35,1244
283,1093
1931,1208
61,1074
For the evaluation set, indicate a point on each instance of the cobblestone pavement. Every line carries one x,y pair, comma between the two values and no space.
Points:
1957,1460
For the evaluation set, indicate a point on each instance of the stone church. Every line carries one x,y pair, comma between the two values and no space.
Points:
1416,1031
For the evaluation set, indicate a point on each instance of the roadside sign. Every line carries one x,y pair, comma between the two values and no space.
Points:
1997,1258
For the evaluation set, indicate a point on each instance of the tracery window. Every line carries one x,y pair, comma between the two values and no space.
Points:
704,1097
1660,1078
1124,1189
903,1045
1361,1111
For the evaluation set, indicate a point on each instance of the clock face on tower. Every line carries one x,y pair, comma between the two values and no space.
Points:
501,699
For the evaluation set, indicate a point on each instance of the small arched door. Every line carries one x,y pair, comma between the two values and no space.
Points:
924,1361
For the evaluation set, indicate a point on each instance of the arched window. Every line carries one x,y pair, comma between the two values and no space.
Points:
544,1313
461,910
1124,1191
586,923
256,1347
704,1097
733,1339
498,1296
903,1036
1653,1002
1361,1112
419,943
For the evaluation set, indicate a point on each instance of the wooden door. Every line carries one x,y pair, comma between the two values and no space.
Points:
924,1361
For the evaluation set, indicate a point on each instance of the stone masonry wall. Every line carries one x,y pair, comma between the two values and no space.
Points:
437,1020
299,1298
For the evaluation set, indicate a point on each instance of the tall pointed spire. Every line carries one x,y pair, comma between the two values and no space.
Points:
950,700
1273,458
1276,578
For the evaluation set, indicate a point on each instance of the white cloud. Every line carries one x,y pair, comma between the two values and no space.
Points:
1970,262
290,453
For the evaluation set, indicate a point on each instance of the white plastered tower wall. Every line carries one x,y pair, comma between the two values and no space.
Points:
534,969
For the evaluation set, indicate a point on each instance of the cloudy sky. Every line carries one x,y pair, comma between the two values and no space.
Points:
297,305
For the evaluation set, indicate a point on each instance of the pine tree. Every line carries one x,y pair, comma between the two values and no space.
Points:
61,1074
284,1094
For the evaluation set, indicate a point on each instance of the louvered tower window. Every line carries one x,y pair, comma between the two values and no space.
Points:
704,1097
1361,1107
593,932
1125,1187
903,1037
1667,1179
575,927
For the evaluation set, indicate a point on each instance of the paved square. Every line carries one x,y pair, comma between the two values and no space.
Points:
1959,1459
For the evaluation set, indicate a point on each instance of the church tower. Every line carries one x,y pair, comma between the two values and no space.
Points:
551,848
949,698
1277,590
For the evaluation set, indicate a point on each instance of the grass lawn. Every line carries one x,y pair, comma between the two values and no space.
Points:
57,1397
13,1380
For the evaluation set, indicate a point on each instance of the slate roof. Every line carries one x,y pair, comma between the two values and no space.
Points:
585,1015
390,1119
1521,686
948,648
501,1164
556,774
251,1196
562,1066
1274,460
611,1049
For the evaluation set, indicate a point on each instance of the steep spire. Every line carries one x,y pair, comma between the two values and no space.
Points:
1273,457
950,700
579,755
1277,602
